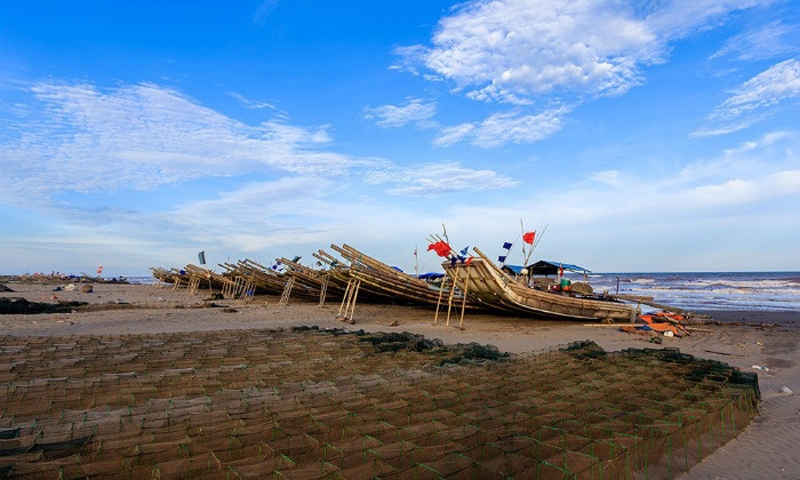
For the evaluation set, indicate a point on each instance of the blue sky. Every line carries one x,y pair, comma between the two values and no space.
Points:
644,136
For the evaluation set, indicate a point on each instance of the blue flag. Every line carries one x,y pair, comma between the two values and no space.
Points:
508,245
501,259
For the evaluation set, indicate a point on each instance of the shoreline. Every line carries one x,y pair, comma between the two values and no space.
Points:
742,339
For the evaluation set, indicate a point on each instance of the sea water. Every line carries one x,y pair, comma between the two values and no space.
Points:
756,291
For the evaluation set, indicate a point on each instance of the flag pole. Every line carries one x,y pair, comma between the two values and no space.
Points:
416,260
538,239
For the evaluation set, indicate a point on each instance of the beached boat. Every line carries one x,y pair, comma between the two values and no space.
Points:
486,284
175,277
391,284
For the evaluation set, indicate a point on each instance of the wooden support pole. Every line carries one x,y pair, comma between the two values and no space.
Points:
439,302
350,318
345,298
450,297
464,294
323,291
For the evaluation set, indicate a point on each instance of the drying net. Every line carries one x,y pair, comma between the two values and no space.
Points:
326,404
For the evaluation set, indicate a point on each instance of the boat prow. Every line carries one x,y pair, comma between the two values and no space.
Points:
484,283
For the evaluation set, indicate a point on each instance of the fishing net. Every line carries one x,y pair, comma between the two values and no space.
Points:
312,403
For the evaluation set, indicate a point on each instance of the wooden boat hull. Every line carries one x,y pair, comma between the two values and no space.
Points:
383,280
485,284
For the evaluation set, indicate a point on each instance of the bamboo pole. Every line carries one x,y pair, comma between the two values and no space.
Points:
439,302
464,294
450,297
345,298
323,290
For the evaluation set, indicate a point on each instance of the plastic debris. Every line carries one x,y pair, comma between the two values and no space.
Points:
663,322
759,367
786,390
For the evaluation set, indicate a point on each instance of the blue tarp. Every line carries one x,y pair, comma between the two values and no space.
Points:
546,267
430,276
550,267
517,269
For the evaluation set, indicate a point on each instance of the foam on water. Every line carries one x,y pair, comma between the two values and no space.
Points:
761,291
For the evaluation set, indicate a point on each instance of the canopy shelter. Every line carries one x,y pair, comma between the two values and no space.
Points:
549,267
544,267
430,276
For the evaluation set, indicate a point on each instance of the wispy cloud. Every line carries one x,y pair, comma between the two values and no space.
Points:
416,111
502,128
762,42
755,172
145,136
75,141
264,10
440,178
754,100
253,104
717,131
778,83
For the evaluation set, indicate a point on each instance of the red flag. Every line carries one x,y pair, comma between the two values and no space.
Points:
528,237
441,248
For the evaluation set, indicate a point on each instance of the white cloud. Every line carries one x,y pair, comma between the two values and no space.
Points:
763,170
608,177
522,51
252,104
517,48
450,135
440,178
754,100
145,136
502,128
750,159
778,83
510,50
763,41
725,130
672,19
289,189
393,116
264,10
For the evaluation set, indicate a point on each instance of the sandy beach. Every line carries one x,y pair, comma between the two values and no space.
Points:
763,342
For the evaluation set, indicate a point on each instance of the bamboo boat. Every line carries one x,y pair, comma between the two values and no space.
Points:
389,283
263,279
341,275
311,283
176,278
484,283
